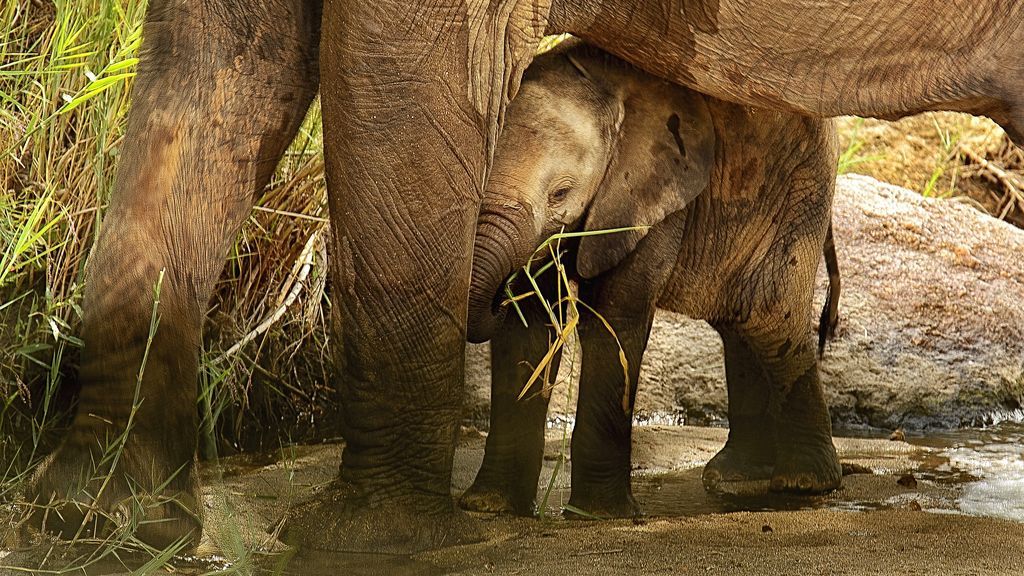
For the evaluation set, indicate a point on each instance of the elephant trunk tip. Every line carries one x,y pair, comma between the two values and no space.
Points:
500,247
484,321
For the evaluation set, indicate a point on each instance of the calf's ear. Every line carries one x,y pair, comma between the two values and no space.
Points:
661,161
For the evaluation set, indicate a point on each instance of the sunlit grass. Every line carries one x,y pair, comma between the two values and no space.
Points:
947,158
853,155
65,68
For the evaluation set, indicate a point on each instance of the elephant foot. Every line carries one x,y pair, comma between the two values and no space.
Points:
85,491
602,506
734,465
494,500
808,469
340,519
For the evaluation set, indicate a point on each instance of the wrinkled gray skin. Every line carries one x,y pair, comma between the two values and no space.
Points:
414,94
592,143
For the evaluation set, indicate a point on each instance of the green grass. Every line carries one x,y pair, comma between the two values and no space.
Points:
950,140
66,70
853,155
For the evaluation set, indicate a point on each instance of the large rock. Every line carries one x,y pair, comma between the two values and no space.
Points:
932,327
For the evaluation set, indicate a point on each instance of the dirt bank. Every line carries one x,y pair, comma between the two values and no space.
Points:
932,329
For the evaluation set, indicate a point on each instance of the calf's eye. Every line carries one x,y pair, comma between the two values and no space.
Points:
560,194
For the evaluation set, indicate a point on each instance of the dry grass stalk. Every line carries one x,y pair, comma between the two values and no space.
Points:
999,172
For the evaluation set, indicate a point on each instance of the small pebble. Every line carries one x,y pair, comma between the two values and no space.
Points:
907,481
766,528
898,435
915,506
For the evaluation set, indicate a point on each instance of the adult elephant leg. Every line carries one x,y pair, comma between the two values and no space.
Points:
749,453
220,92
413,93
507,480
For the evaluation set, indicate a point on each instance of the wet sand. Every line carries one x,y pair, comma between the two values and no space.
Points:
805,542
873,525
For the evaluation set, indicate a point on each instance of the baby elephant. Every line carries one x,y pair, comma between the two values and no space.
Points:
734,205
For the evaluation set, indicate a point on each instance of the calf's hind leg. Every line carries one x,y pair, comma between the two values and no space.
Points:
780,340
749,453
805,458
785,433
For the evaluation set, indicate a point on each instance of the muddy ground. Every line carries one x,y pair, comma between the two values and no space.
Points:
877,523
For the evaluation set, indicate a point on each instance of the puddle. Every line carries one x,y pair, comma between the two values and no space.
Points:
987,463
977,471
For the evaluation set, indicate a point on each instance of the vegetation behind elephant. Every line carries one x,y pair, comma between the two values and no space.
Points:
734,209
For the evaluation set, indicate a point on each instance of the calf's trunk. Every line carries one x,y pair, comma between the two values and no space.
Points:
499,249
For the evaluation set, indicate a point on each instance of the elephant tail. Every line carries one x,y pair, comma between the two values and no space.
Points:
830,311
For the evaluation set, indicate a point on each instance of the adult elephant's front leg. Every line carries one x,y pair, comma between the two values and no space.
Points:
412,97
219,94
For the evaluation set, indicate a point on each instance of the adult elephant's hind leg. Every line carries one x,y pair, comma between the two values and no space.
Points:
221,90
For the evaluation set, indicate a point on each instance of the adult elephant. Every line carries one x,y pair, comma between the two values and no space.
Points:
413,98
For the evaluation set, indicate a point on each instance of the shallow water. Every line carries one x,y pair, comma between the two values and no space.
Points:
989,465
980,471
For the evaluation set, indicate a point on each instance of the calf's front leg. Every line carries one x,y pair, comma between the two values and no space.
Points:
626,298
513,456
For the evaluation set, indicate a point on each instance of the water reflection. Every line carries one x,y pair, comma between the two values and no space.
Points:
996,457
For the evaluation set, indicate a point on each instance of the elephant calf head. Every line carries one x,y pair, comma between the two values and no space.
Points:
589,143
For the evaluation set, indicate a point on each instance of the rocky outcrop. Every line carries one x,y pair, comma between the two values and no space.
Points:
931,330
